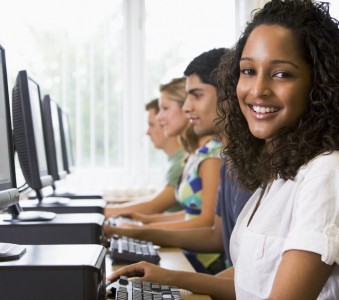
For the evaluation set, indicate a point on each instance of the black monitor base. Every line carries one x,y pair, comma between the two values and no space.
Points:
78,206
10,251
30,216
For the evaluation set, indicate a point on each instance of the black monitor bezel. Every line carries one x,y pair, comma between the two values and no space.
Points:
67,153
27,153
51,151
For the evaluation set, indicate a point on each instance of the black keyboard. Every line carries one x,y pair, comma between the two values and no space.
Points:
128,250
122,289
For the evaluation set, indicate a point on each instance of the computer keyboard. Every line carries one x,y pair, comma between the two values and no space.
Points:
117,221
122,289
128,250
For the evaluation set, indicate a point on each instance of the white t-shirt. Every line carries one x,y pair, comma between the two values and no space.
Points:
294,214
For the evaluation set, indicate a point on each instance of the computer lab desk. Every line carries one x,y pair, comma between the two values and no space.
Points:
171,258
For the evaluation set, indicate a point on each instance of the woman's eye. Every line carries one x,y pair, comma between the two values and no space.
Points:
247,71
281,74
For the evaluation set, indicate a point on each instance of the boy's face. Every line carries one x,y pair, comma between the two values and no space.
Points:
154,130
200,105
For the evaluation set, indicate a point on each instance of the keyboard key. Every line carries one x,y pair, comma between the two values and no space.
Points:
123,280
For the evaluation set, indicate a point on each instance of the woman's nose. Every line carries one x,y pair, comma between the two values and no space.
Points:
261,86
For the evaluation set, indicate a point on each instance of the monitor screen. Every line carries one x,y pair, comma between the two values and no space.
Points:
66,141
5,175
53,138
29,133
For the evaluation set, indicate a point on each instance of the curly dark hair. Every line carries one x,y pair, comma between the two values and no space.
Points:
205,64
317,130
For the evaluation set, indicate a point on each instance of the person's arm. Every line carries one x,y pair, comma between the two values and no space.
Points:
227,273
218,287
209,174
204,239
163,217
301,275
162,201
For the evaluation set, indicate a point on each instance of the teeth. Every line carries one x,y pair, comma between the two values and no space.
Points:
263,110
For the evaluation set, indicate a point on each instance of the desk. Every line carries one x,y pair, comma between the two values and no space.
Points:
171,258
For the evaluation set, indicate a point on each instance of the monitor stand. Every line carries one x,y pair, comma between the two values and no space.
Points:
61,205
17,214
75,196
55,200
51,200
64,194
10,251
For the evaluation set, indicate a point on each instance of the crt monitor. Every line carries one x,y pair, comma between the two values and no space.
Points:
53,138
28,133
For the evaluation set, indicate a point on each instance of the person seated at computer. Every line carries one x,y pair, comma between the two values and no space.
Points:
198,186
201,177
165,199
172,97
278,104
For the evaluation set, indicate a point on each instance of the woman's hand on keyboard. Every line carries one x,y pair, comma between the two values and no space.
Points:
144,218
128,225
144,271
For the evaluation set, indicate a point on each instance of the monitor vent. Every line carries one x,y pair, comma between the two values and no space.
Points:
20,141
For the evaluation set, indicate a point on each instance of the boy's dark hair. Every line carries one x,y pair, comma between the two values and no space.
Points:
204,65
317,130
153,104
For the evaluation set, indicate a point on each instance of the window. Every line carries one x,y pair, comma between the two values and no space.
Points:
334,8
176,31
102,61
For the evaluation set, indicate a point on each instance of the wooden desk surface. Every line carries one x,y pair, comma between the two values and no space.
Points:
171,258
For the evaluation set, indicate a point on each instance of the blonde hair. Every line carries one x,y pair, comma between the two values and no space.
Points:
176,90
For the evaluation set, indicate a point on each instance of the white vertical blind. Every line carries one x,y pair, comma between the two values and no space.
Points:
133,86
92,99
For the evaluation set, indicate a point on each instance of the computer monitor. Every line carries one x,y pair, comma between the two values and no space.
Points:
9,194
28,132
66,140
52,131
